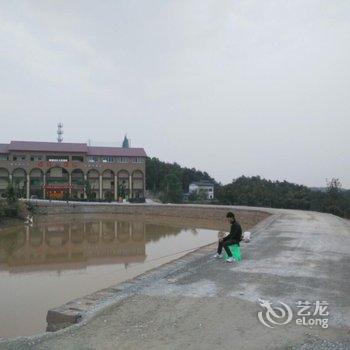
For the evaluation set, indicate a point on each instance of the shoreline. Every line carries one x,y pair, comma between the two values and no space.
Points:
78,311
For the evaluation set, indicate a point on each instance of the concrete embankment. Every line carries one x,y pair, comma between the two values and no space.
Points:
200,216
187,210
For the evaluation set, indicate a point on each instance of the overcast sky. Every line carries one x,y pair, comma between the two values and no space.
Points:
232,87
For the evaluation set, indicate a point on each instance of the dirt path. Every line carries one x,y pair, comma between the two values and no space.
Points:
203,303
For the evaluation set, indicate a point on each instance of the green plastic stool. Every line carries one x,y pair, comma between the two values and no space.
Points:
236,252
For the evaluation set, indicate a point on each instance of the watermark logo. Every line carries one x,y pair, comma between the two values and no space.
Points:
274,315
307,314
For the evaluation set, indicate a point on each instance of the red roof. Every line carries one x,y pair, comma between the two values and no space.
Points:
47,146
36,146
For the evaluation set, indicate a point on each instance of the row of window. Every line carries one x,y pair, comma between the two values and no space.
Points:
110,159
90,159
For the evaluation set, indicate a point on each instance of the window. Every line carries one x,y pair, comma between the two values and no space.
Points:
19,157
123,159
34,158
57,158
77,158
35,182
107,159
137,160
4,157
92,159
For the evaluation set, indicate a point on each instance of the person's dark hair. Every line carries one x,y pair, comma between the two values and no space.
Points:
230,215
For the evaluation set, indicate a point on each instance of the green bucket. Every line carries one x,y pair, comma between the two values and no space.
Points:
236,252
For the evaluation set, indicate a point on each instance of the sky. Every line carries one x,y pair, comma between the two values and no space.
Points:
227,86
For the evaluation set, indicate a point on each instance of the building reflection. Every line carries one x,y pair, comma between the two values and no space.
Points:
69,245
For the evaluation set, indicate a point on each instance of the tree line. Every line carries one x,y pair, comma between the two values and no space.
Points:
170,181
255,191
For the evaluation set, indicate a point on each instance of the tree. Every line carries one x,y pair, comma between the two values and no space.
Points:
88,190
12,206
157,170
334,187
171,189
10,194
333,200
193,196
122,189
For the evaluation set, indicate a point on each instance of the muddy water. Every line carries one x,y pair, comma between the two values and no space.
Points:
61,258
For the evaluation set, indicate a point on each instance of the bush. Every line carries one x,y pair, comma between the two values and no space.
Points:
12,210
2,209
109,196
11,207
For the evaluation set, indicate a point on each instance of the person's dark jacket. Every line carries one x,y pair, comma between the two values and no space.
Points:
235,235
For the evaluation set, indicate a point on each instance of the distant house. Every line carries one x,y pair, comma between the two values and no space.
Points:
202,187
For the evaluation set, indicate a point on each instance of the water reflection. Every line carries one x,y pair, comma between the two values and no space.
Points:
61,258
89,242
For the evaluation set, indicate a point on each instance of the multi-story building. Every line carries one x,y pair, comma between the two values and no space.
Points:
70,170
205,187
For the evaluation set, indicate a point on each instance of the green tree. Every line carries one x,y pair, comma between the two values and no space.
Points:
10,194
171,189
193,196
333,199
12,206
88,190
202,195
157,170
122,189
254,191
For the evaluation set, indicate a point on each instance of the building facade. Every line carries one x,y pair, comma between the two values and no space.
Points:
205,187
52,170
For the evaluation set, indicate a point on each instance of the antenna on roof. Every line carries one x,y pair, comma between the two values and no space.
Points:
59,132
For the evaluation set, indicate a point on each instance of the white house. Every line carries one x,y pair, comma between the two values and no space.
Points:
206,187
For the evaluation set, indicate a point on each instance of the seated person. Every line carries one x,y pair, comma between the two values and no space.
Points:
234,237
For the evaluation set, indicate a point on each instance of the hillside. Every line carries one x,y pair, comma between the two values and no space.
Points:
252,191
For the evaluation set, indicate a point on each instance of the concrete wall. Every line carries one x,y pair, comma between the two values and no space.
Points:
207,216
